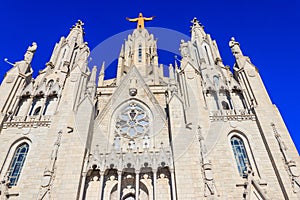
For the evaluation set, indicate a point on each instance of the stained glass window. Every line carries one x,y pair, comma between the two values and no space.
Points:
140,53
17,163
132,121
240,155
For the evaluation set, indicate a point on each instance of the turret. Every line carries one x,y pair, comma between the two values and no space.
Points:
139,50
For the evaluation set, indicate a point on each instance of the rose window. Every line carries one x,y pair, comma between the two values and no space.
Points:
133,121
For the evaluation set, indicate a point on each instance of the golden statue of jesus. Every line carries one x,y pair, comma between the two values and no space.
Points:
140,20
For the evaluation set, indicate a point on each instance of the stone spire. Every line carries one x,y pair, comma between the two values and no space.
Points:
77,33
93,75
138,50
101,75
197,29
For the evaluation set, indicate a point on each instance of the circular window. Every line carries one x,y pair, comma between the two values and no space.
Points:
133,121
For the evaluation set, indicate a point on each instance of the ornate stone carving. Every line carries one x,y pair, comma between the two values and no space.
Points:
4,185
184,49
235,47
290,164
232,115
129,158
30,53
49,173
28,121
250,183
209,188
140,20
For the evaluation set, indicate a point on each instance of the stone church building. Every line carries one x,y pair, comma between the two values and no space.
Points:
202,132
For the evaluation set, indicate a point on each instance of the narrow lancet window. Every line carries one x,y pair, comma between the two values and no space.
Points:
17,163
207,55
140,53
240,155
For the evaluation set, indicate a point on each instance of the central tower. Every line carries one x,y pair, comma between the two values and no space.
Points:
139,50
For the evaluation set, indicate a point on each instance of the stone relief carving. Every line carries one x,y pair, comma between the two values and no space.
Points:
184,49
250,183
290,164
4,185
49,173
210,187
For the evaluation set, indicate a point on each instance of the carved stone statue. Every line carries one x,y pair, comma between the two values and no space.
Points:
140,20
184,49
235,47
30,53
210,188
290,164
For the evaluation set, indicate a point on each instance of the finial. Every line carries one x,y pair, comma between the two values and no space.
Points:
79,25
102,68
140,20
196,23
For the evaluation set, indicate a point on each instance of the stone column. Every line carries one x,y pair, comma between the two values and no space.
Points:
15,106
137,184
82,188
101,184
174,197
119,184
154,183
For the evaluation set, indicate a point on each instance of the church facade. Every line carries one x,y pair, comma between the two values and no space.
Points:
202,132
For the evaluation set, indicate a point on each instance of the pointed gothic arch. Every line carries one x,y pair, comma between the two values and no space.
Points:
242,153
23,105
17,163
208,53
15,160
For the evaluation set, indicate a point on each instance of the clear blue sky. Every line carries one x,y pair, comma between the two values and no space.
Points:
268,31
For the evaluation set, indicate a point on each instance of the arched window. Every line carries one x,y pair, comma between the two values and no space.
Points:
216,81
207,54
140,53
50,83
225,105
36,106
50,106
240,155
23,105
37,111
17,163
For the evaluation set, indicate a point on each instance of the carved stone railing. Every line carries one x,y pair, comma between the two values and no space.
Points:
232,115
132,159
28,121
